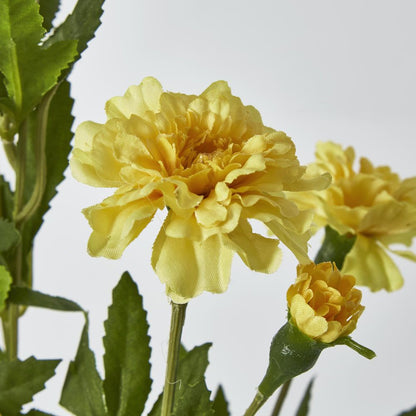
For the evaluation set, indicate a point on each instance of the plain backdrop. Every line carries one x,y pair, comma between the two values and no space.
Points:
318,70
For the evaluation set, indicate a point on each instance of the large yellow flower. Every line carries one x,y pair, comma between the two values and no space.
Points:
323,303
373,204
210,160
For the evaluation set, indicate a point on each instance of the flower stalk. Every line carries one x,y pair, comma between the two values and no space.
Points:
176,326
281,398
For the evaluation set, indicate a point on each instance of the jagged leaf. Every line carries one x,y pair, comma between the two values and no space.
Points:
9,236
81,24
5,282
220,404
20,380
48,9
127,351
83,393
192,395
304,404
29,69
28,297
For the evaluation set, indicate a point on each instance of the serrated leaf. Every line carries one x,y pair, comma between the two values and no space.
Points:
83,393
411,412
192,395
29,69
220,404
48,10
5,282
81,24
28,297
20,380
127,351
304,404
9,236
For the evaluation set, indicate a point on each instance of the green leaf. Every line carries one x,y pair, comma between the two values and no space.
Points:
6,200
5,282
304,404
35,412
192,394
9,236
354,345
80,25
411,412
220,404
127,351
20,380
335,247
28,297
83,393
29,69
48,9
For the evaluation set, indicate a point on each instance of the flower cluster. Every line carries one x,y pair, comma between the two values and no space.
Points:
323,303
373,204
210,160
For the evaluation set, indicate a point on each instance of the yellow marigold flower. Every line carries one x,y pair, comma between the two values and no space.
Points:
323,303
373,204
210,160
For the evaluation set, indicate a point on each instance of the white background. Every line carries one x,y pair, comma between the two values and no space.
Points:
317,70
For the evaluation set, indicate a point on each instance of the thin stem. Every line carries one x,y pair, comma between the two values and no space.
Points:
255,405
281,398
176,326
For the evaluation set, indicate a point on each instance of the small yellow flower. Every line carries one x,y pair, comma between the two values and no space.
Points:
373,204
210,160
323,303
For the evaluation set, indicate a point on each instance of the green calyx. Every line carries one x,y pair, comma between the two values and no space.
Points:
293,353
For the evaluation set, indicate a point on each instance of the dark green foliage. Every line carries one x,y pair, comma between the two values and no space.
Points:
83,393
127,351
335,247
48,10
28,297
304,404
220,404
20,380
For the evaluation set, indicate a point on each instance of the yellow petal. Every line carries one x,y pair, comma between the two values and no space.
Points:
371,266
115,226
188,267
257,252
138,99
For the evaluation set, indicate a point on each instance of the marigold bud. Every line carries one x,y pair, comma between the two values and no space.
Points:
323,303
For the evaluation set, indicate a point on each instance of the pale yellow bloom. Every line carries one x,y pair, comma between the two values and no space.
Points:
210,160
373,204
323,303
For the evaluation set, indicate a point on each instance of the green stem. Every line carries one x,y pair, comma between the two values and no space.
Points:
255,405
10,151
176,326
281,398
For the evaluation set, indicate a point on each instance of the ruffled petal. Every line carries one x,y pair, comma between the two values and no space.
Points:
189,267
371,266
138,99
257,252
117,221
